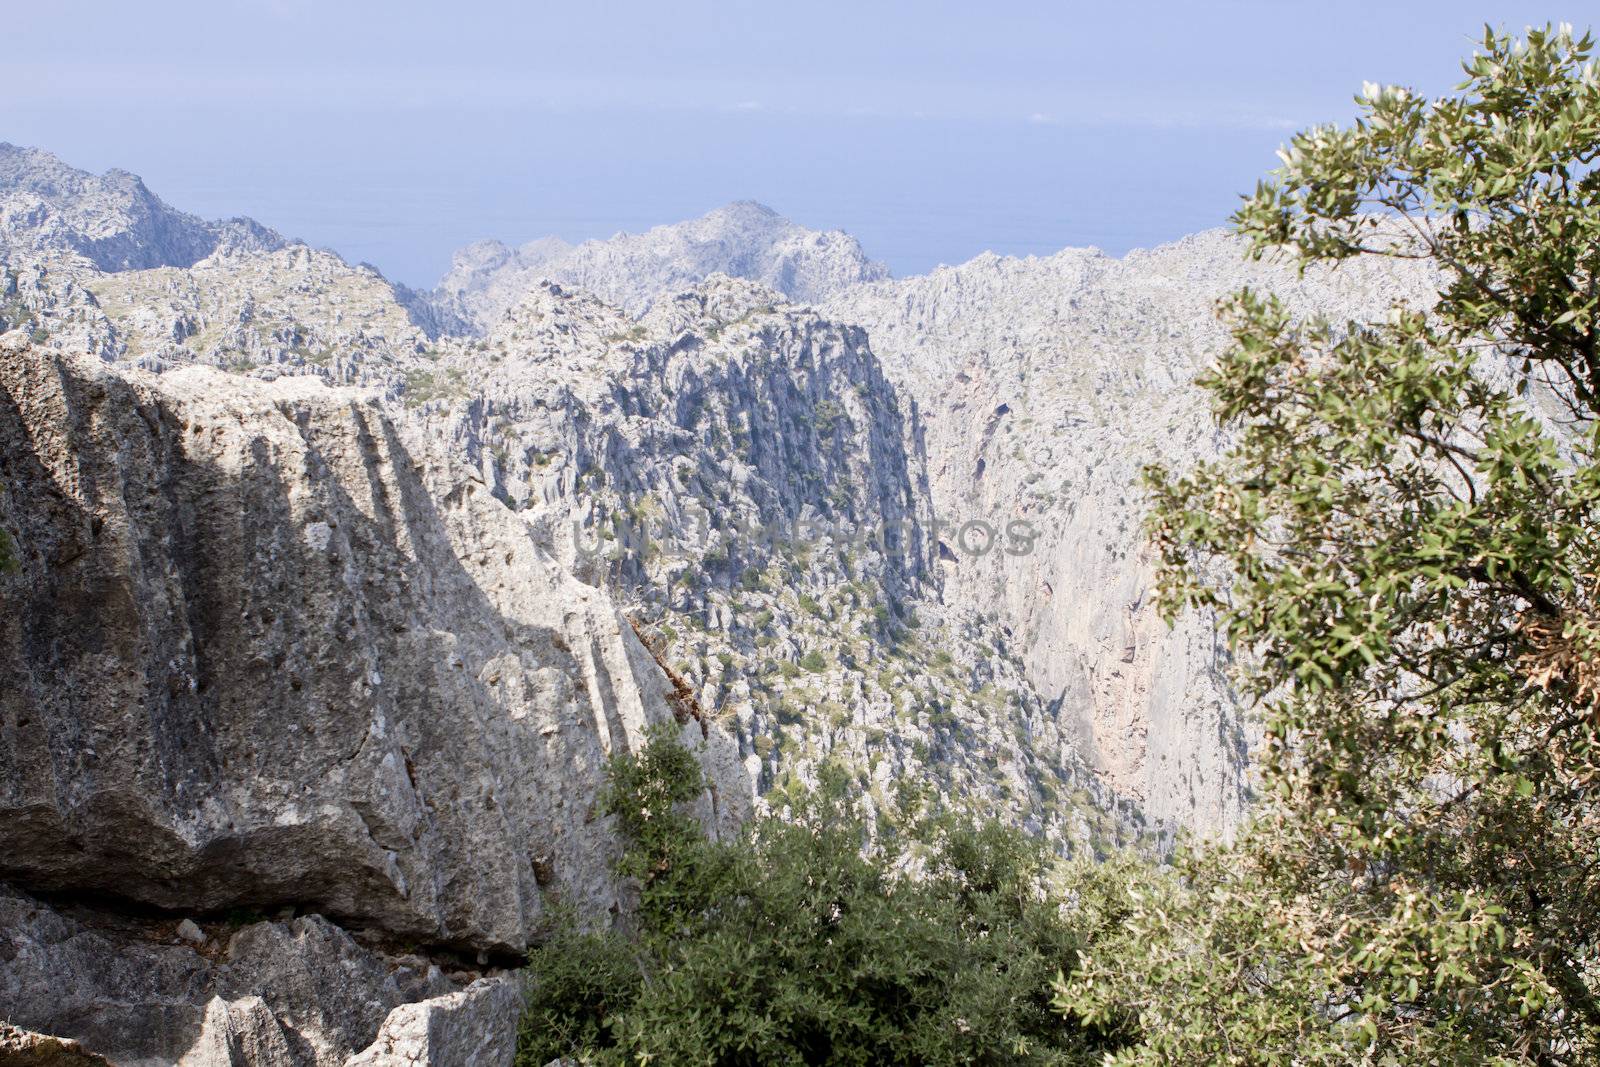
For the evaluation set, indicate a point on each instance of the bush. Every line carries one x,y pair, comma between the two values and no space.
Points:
797,944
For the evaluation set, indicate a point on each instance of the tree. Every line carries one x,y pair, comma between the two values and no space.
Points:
808,941
1402,545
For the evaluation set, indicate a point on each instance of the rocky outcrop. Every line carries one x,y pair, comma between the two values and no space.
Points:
743,471
24,1048
112,221
265,651
476,1027
247,992
743,240
296,310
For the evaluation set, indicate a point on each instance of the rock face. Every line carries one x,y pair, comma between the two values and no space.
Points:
257,639
1046,386
111,221
476,1027
743,240
744,472
266,649
298,991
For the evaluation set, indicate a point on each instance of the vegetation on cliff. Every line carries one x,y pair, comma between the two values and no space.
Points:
925,940
1403,546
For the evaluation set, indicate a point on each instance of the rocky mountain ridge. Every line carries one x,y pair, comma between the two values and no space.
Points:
744,239
332,598
744,473
1047,384
111,222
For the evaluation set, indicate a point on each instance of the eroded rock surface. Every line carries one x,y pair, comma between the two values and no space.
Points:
112,221
294,992
476,1027
24,1048
263,650
1046,384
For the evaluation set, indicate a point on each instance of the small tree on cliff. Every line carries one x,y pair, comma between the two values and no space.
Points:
1407,530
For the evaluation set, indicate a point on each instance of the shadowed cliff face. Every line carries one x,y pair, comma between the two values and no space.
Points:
261,650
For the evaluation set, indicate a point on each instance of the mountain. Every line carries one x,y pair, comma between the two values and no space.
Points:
111,221
323,628
1046,385
256,634
742,471
330,599
743,240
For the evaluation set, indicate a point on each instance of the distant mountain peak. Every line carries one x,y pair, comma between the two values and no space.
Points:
113,221
742,239
753,208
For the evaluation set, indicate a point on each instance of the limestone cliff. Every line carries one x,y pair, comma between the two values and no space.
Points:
265,649
1046,385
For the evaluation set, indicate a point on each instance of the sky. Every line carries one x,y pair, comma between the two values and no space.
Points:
397,132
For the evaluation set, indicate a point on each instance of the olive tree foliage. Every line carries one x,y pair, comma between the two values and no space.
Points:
1403,544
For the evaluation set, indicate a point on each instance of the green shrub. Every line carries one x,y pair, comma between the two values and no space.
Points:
793,946
424,386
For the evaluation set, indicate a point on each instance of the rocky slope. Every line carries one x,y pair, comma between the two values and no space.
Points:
331,599
111,222
743,240
1046,385
743,472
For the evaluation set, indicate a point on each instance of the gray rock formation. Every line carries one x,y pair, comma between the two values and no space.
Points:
744,472
743,240
269,650
1046,386
332,599
300,991
476,1027
256,636
111,221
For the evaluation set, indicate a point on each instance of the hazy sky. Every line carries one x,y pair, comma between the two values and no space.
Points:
395,132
